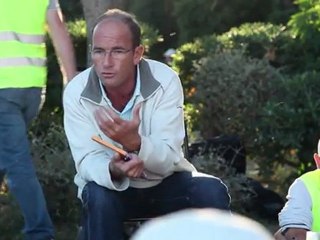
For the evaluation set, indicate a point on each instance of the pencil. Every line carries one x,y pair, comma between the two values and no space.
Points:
109,145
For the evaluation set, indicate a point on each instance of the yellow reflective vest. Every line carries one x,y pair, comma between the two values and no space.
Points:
312,182
22,43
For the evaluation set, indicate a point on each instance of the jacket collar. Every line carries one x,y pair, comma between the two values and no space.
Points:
149,84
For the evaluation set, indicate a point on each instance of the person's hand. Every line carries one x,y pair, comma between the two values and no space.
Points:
119,130
120,168
278,235
291,234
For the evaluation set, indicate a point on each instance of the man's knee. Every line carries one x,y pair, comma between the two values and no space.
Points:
211,192
98,198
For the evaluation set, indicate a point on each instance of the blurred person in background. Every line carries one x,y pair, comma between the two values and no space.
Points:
168,56
204,224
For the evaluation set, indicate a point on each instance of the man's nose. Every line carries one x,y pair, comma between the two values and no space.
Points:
107,59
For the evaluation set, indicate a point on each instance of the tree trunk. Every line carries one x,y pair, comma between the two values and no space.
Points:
92,10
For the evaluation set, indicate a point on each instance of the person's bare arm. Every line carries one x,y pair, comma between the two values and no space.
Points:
291,234
62,44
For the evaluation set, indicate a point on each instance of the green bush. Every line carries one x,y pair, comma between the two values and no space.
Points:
11,220
276,43
187,56
149,37
305,24
258,39
289,125
55,167
226,100
230,90
305,28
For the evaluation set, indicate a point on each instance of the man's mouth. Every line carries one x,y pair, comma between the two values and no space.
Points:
107,74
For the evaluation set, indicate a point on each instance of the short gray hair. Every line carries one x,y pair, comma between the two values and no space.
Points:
126,18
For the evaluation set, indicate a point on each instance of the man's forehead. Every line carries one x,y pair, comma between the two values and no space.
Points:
110,22
111,27
111,31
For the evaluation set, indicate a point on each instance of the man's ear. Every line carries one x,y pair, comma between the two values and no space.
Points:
316,158
138,54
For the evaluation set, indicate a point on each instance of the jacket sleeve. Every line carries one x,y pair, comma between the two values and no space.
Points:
161,143
297,212
91,159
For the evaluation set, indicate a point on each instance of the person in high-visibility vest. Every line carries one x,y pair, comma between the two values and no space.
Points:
301,213
23,75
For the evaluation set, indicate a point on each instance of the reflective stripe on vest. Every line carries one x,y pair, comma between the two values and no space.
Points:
312,182
22,45
20,37
22,61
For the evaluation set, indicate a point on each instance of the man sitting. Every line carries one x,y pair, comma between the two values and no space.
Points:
137,105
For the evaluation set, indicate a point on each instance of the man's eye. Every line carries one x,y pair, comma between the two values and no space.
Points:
97,51
117,51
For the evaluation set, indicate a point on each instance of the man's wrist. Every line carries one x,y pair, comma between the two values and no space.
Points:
134,149
135,146
115,173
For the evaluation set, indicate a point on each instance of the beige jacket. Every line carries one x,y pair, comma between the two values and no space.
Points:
161,128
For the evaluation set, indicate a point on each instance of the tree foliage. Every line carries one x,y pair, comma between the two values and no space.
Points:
289,128
305,25
203,17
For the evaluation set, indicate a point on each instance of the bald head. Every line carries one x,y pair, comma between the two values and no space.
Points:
204,224
125,18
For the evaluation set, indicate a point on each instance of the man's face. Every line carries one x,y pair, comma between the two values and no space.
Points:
113,55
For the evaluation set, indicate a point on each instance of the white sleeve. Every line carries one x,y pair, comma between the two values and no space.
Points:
297,212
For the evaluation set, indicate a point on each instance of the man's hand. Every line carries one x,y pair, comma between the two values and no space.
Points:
291,234
120,168
119,130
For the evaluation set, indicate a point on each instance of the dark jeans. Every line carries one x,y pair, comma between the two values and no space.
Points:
105,210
